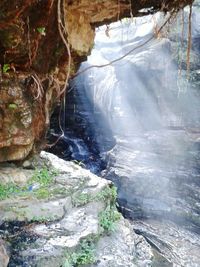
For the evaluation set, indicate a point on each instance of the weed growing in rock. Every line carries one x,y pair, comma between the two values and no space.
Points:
44,177
41,219
85,255
12,106
7,190
41,30
6,68
81,199
42,193
108,219
108,194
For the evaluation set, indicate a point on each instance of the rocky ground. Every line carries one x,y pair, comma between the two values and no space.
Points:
55,213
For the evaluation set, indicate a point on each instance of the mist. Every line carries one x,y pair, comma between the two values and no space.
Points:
149,109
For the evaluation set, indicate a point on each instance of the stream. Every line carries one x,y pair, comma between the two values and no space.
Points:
137,123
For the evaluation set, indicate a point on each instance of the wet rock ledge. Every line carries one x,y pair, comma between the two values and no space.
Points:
55,213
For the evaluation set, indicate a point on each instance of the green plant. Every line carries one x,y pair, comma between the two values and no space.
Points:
41,30
85,255
81,199
6,68
108,219
44,177
7,190
42,193
109,193
41,219
12,106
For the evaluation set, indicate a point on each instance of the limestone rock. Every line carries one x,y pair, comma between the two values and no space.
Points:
50,231
14,175
123,248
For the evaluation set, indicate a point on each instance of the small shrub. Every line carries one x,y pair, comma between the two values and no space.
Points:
85,255
108,194
108,218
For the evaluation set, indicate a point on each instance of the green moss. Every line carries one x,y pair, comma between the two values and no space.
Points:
63,191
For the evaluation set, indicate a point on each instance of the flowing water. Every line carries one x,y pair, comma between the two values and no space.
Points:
141,118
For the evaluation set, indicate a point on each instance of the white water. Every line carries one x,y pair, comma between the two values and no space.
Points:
154,116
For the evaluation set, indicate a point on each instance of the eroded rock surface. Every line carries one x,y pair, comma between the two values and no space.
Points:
48,221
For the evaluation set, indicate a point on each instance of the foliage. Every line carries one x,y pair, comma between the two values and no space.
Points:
42,177
6,68
81,199
42,193
41,219
12,106
108,219
108,194
41,30
85,255
7,190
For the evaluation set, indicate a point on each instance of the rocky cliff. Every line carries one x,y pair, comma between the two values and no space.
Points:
41,45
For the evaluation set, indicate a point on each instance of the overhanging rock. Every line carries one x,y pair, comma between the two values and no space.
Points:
35,61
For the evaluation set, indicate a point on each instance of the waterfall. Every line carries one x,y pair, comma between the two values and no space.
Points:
149,114
137,123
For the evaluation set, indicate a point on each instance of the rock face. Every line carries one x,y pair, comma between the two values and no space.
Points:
65,218
35,61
